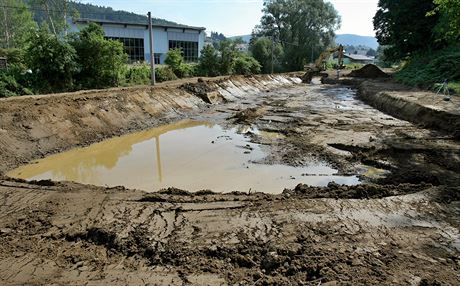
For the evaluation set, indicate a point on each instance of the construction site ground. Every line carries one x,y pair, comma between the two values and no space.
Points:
400,226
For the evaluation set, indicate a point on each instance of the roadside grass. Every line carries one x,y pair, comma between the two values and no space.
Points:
455,87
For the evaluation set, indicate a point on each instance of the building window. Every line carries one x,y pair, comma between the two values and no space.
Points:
189,49
157,58
134,47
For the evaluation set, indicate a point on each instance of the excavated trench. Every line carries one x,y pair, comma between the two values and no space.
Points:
255,180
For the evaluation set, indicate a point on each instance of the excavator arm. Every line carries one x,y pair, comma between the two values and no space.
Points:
320,63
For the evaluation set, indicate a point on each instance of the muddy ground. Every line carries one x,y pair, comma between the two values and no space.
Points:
400,227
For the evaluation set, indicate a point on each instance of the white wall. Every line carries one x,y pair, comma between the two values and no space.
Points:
161,36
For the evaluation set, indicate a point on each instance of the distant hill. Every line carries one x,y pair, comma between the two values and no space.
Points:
344,39
246,38
356,40
95,12
107,13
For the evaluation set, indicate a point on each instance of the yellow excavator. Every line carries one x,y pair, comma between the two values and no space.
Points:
320,64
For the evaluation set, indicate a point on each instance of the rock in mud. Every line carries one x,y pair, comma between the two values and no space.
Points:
249,115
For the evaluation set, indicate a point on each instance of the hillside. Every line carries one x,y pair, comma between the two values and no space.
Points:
98,12
356,40
107,13
246,38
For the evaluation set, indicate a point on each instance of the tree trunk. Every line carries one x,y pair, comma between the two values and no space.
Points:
7,33
45,2
65,17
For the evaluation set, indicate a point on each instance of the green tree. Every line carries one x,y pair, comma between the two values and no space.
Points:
175,61
371,53
448,28
228,54
246,65
261,50
209,62
404,26
101,61
52,61
16,24
302,27
54,13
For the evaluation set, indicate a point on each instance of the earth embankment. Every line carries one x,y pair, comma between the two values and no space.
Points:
34,126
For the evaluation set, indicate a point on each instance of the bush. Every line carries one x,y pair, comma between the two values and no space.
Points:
9,86
246,65
15,56
137,74
428,68
164,73
176,63
209,61
188,70
52,61
101,61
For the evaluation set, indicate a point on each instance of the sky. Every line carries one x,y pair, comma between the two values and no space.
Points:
238,17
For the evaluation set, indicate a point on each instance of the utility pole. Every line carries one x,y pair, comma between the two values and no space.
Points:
152,53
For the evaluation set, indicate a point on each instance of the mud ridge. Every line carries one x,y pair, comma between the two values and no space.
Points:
409,110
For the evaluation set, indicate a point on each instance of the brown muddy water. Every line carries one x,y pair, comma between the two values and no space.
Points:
190,155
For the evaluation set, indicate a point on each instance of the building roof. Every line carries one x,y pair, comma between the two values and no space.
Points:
358,57
102,22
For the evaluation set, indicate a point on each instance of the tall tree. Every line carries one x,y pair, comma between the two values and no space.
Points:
101,61
267,53
404,26
53,12
16,23
52,61
303,27
448,28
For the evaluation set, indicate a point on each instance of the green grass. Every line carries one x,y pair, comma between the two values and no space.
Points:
429,68
455,87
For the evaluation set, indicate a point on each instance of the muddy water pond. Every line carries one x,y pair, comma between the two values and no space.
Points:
190,155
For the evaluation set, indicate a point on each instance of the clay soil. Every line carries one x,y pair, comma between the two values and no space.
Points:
399,227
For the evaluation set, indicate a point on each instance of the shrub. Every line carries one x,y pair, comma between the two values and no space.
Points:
428,68
164,73
137,74
52,61
175,61
188,70
101,61
209,61
15,56
9,86
246,65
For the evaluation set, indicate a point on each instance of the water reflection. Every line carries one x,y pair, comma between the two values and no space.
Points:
191,155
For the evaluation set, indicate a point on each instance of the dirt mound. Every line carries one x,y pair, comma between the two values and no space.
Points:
249,115
204,90
368,71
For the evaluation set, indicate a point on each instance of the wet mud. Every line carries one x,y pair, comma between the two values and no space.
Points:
400,226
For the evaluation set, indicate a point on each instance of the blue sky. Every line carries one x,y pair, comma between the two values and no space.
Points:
238,17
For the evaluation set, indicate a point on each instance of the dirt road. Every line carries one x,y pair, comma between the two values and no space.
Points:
400,227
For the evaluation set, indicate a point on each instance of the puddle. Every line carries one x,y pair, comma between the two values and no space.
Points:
189,155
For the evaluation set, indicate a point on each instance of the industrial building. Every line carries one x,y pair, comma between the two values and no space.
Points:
135,38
